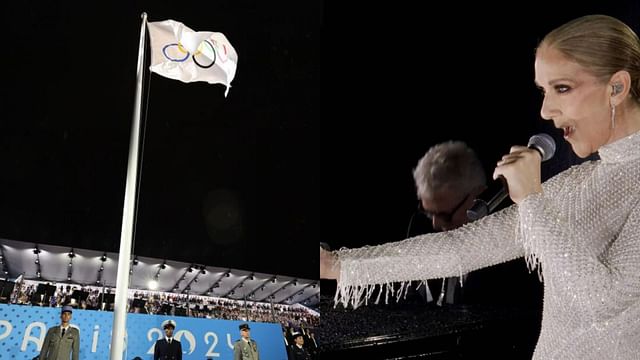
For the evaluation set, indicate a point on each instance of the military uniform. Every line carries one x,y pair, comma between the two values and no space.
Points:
168,348
59,346
298,353
245,349
297,350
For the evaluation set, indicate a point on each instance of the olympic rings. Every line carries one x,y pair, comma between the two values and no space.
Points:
174,51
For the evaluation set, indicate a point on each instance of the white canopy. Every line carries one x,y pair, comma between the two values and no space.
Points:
86,267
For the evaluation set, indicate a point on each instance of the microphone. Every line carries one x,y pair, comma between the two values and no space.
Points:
545,145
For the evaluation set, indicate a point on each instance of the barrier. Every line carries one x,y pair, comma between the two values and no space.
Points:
23,328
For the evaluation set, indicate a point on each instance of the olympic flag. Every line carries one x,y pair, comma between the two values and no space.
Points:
179,53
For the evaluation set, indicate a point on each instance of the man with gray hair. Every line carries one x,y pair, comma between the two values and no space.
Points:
448,178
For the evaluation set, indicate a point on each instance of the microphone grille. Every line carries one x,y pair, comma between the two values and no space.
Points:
543,143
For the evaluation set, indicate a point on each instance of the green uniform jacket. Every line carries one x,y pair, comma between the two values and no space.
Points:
245,351
56,347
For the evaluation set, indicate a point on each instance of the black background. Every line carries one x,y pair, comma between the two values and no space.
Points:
410,77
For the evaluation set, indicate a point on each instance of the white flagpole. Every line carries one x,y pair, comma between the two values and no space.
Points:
122,282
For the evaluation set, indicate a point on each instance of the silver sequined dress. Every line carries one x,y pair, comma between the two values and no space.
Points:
583,236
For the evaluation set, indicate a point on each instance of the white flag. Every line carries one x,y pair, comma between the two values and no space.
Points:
180,53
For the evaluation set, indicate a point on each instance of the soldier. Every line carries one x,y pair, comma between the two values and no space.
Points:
168,348
61,342
245,348
297,350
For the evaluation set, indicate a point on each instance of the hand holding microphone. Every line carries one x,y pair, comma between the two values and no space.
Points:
520,170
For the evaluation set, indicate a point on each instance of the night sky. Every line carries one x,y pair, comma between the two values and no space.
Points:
229,182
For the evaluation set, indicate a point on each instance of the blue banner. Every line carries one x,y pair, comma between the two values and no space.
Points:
23,328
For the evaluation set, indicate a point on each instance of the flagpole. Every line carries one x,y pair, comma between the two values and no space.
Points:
122,282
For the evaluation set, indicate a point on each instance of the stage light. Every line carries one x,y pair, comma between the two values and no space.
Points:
153,284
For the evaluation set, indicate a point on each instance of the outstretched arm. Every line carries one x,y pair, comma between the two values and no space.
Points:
488,241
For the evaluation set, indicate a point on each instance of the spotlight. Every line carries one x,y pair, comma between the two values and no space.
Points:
103,258
153,284
135,261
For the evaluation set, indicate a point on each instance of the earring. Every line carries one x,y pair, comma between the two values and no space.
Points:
613,116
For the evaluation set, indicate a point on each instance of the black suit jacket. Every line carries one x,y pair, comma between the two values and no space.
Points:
164,350
295,353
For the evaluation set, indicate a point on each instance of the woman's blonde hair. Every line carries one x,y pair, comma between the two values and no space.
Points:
602,44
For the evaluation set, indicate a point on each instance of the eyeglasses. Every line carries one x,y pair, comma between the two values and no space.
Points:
445,216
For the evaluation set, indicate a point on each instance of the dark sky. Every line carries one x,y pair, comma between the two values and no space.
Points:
229,182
